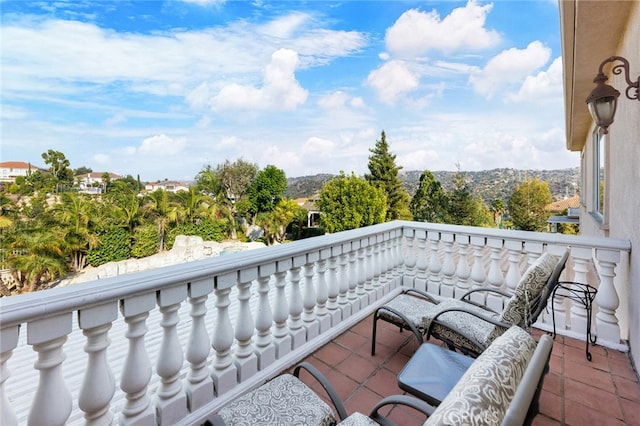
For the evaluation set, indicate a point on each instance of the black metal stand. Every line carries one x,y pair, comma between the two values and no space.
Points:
580,293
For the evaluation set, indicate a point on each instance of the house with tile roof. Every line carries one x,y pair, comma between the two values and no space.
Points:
10,170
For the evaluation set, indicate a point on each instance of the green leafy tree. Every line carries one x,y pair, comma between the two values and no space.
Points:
235,179
275,222
430,202
527,205
383,173
267,189
464,208
82,170
350,202
59,169
145,241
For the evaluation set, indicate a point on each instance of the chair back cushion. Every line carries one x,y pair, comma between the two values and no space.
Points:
528,289
485,391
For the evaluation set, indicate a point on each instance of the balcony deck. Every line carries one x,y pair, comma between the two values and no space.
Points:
604,391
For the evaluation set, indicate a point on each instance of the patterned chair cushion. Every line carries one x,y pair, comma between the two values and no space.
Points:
449,325
283,401
484,392
530,286
411,306
358,419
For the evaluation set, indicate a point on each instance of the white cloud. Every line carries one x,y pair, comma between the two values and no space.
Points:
415,33
392,79
115,119
101,158
162,145
318,147
340,100
280,89
509,67
543,87
206,2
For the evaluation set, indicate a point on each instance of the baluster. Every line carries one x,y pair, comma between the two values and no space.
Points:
382,266
462,270
282,339
422,264
398,259
478,275
309,298
353,281
362,277
410,261
378,262
333,301
8,342
246,360
495,277
343,277
224,373
296,307
99,384
578,314
435,266
448,267
265,350
199,384
514,249
171,401
607,297
322,293
137,367
370,270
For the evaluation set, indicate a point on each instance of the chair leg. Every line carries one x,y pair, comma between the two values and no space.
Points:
373,333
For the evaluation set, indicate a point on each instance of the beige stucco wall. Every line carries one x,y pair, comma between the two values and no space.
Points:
622,209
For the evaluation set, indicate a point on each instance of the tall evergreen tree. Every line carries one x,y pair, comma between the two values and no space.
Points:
383,174
464,208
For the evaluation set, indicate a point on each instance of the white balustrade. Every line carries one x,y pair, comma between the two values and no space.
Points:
495,279
239,319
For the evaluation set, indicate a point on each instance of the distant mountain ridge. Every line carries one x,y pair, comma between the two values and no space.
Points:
488,184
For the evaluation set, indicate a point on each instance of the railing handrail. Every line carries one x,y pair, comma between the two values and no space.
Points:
46,303
542,237
16,310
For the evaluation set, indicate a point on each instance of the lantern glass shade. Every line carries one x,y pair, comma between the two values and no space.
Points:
602,104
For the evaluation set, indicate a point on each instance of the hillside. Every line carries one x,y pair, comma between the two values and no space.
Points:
488,184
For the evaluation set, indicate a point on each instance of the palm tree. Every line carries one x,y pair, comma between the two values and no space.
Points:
73,215
162,211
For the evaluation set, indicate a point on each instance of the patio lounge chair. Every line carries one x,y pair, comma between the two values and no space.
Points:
287,400
468,326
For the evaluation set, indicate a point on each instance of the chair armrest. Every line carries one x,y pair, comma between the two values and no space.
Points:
528,390
333,394
465,296
421,293
475,314
405,400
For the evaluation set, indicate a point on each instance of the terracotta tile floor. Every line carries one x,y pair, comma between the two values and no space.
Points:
605,391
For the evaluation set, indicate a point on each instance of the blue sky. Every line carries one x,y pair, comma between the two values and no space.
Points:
162,88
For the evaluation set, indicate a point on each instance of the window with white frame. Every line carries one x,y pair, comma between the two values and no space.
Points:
599,174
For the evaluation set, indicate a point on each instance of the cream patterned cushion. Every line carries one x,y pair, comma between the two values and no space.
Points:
411,306
358,419
283,401
484,392
450,325
529,287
